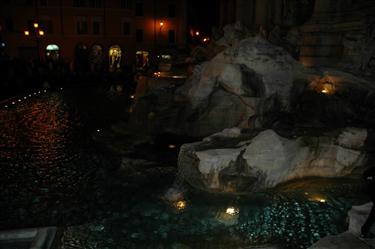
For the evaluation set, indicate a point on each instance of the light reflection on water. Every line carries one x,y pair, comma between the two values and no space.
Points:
43,153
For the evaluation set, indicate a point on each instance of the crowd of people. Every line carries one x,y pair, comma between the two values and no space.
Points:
19,75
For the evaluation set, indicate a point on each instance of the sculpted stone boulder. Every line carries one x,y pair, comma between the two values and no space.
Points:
236,161
253,84
349,239
252,68
357,217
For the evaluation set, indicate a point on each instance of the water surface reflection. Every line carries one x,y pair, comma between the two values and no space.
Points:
45,157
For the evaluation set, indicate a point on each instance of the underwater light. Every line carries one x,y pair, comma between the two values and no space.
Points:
232,211
180,204
318,199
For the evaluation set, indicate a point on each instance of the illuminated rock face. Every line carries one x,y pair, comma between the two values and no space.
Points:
235,162
252,68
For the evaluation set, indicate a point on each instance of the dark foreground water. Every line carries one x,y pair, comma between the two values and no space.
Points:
53,174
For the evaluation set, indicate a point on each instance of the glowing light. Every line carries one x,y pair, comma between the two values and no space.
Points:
6,106
324,91
180,205
318,199
26,32
98,130
197,33
24,97
179,77
157,74
38,91
41,32
52,47
34,93
206,39
161,24
13,103
19,100
132,96
171,146
232,211
61,88
29,95
36,25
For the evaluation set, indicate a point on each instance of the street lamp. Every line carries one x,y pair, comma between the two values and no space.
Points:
161,25
38,33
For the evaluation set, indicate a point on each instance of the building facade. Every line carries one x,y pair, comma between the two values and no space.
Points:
266,13
116,31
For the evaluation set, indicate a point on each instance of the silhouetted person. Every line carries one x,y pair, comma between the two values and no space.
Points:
369,176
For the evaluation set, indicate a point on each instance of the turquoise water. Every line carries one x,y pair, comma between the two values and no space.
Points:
288,217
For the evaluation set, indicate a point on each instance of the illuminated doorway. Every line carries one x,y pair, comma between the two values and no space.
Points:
165,62
115,54
142,60
96,58
52,52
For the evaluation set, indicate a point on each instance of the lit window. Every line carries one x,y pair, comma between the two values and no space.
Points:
115,58
142,60
52,52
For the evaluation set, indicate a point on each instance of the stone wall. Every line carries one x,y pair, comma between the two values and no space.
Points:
338,34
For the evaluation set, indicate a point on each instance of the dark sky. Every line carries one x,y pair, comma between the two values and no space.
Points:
203,14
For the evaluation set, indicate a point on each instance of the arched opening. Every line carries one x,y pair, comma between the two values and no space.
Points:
81,60
115,54
165,62
52,52
142,60
96,58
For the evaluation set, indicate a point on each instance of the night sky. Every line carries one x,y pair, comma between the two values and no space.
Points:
203,14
